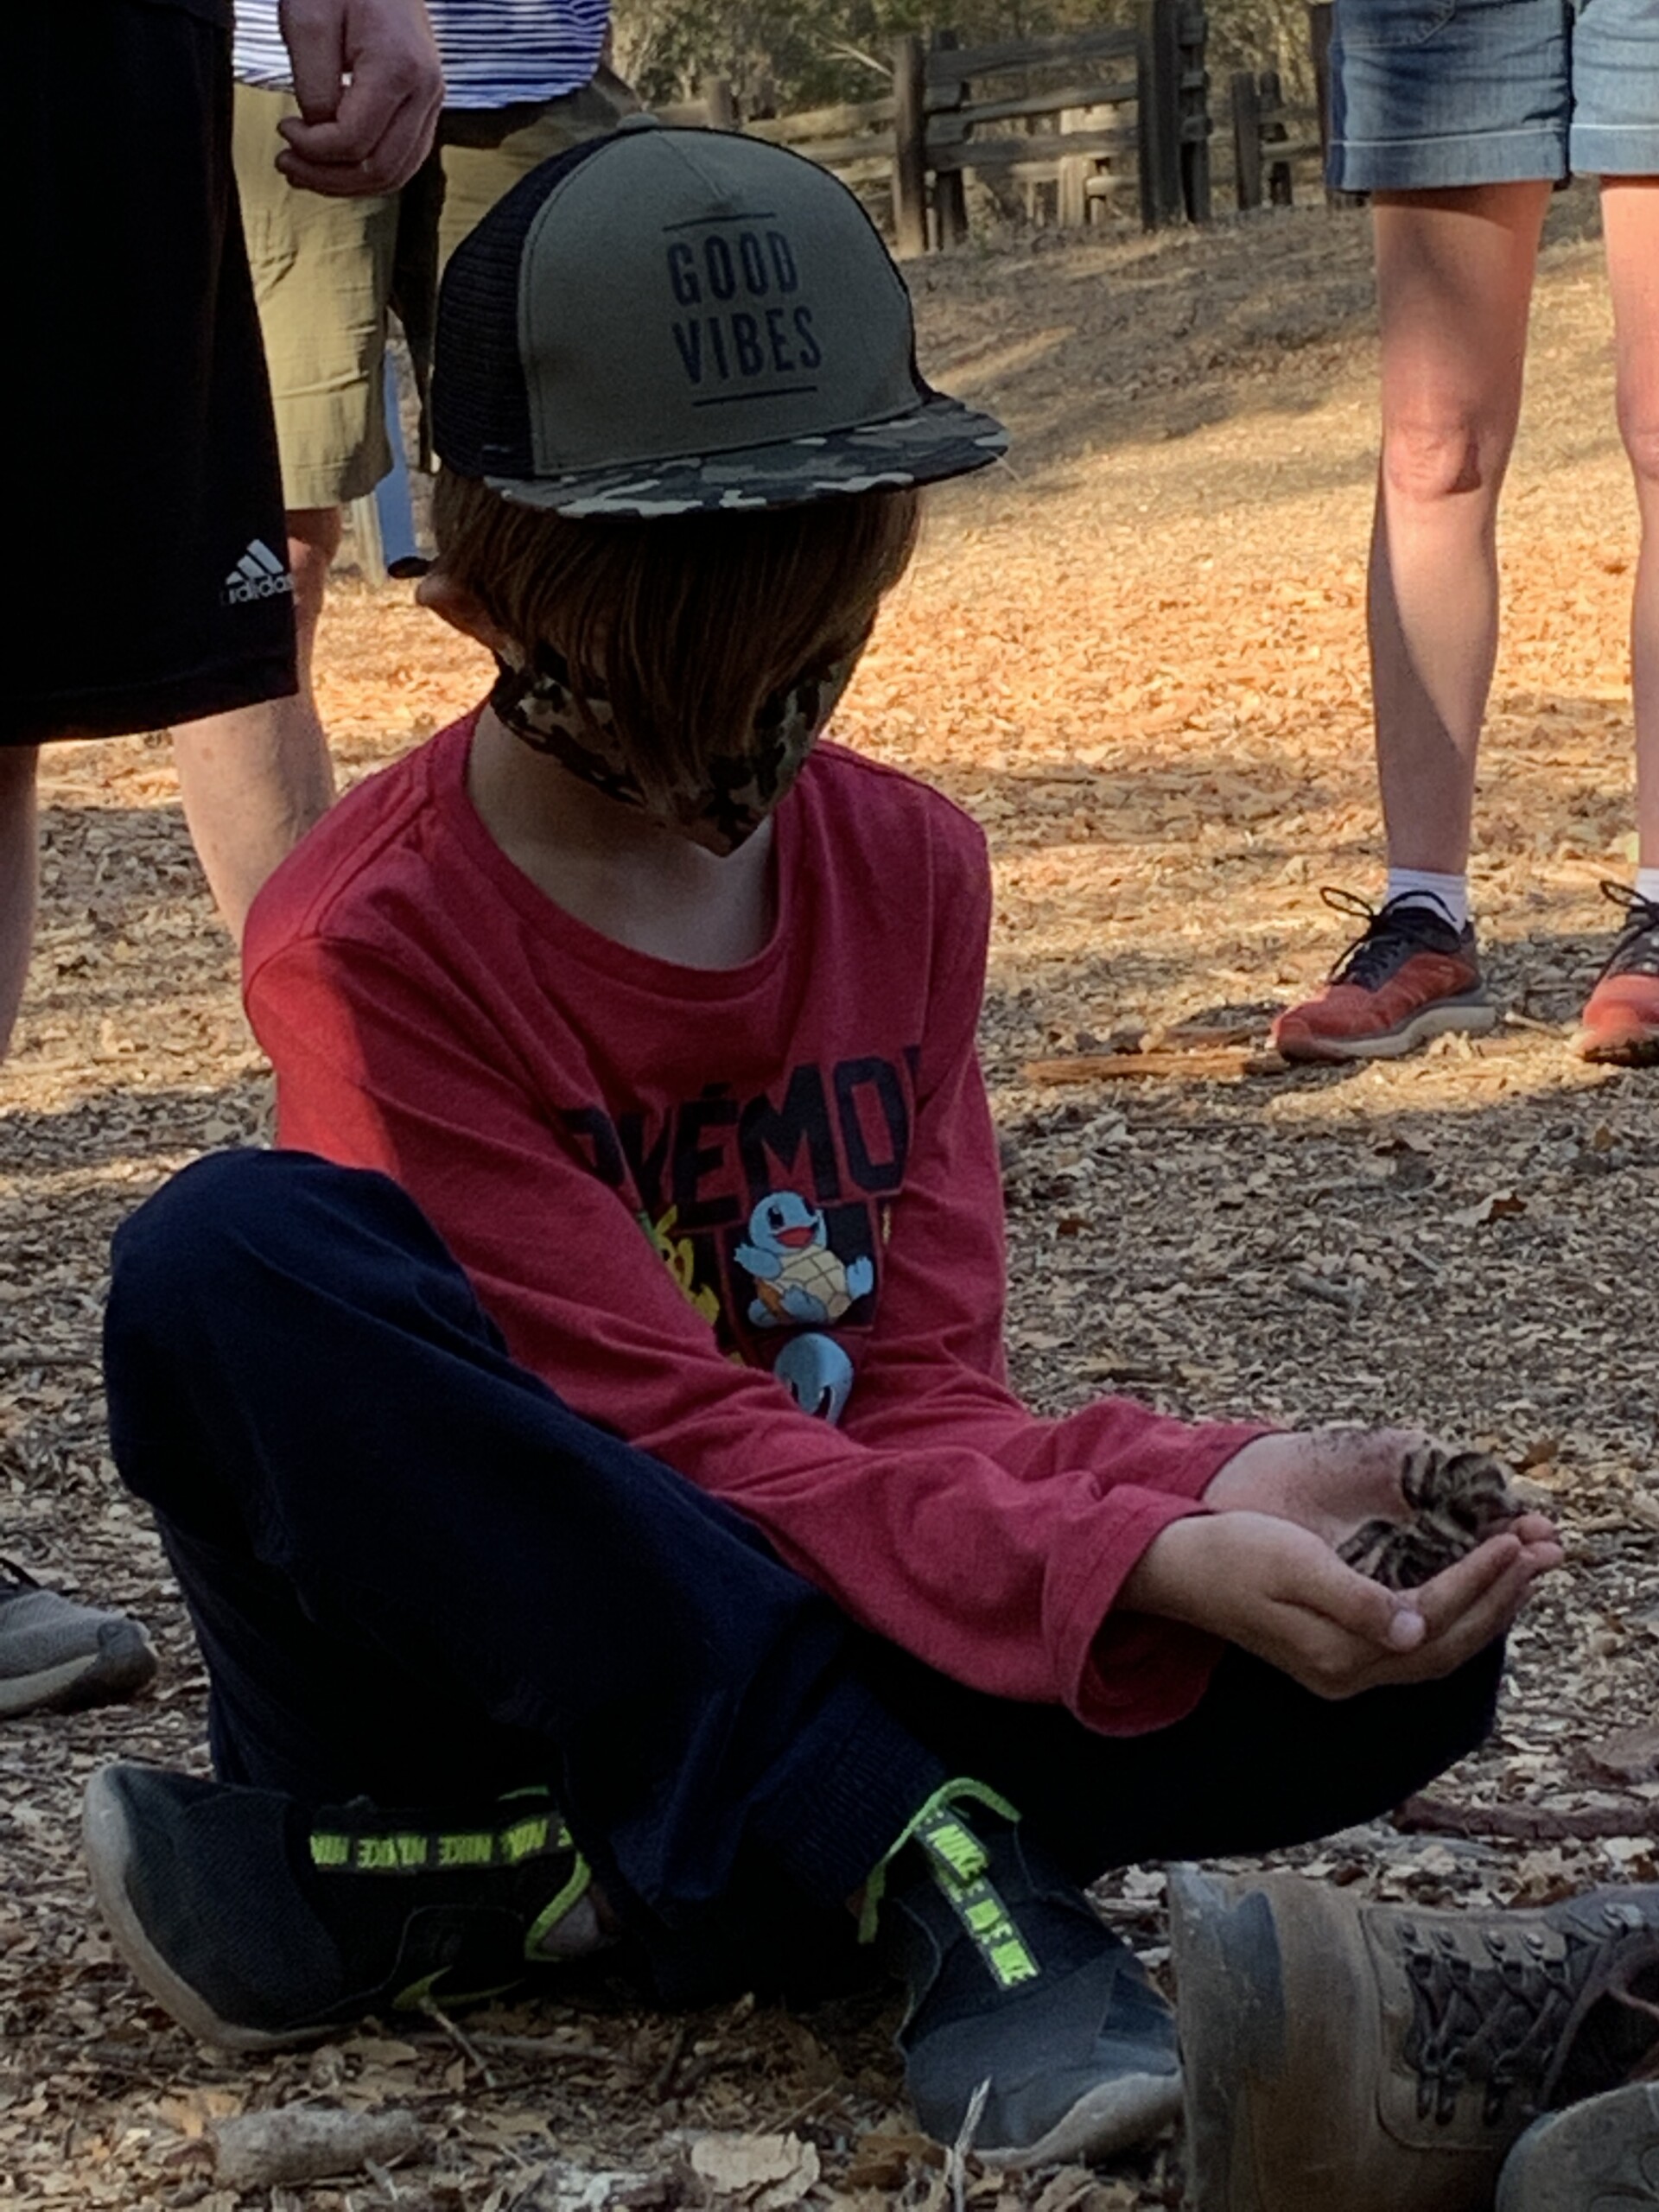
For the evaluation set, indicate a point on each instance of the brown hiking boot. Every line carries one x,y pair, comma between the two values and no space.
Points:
1409,976
1342,2057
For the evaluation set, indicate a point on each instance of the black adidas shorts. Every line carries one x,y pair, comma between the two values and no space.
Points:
147,537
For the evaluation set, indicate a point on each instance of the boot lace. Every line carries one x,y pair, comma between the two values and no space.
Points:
1493,2010
1392,931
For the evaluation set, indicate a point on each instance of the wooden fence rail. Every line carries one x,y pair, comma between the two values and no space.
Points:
1076,111
1027,110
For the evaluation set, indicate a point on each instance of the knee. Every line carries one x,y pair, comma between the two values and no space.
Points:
181,1249
314,536
1429,456
268,1233
1638,425
191,1257
1455,1716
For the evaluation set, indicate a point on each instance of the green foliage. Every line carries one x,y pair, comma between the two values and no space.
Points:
783,55
798,54
1259,35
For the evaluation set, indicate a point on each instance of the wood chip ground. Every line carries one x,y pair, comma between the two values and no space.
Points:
1138,657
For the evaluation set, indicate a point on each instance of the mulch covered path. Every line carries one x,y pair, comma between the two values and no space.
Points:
1140,662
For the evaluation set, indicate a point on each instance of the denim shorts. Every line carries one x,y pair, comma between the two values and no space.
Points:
1429,93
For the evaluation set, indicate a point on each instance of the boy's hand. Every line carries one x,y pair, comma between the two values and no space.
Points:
1331,1481
369,85
1281,1591
1328,1480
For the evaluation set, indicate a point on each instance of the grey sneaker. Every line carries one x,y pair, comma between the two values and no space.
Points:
58,1655
1377,2058
1017,1989
1600,2156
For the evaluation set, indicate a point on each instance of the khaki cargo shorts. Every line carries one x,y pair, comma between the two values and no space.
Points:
326,272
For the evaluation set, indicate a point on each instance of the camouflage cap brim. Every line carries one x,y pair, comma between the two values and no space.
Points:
941,438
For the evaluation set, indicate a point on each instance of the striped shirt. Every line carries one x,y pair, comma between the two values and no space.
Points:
494,52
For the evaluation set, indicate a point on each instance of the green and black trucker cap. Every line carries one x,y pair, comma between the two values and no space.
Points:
666,320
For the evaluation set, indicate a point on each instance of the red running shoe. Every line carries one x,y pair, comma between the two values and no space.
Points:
1409,976
1620,1020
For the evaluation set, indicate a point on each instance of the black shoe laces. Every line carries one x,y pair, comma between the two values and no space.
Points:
1635,951
1392,932
1498,2022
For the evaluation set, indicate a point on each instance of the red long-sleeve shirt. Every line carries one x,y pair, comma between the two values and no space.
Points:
665,1182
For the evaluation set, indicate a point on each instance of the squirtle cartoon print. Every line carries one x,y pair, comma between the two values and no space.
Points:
797,1277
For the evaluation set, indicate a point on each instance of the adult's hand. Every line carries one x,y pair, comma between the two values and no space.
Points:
1281,1592
369,85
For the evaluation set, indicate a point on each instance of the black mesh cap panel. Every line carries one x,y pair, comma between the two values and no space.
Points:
480,410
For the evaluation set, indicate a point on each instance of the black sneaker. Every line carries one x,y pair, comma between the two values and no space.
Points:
1016,1986
256,1922
57,1656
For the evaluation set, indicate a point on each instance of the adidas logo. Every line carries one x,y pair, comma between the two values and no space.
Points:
257,575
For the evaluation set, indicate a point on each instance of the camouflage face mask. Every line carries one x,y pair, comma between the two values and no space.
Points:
534,698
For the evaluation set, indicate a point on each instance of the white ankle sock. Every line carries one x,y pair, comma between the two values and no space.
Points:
1647,885
1449,893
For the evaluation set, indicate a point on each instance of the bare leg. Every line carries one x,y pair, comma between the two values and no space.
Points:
1630,207
19,875
1454,281
254,781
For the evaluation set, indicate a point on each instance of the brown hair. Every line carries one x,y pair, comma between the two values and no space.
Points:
686,623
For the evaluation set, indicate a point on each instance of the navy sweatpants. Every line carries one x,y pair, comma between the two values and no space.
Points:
415,1575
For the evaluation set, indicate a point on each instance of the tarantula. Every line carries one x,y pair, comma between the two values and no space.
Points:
1457,1499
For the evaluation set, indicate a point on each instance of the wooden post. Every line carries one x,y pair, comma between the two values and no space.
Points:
1247,140
1071,194
1319,32
1195,113
950,185
1280,190
1159,111
1072,188
717,98
909,145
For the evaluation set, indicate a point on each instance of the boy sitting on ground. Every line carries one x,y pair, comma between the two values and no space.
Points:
585,1446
